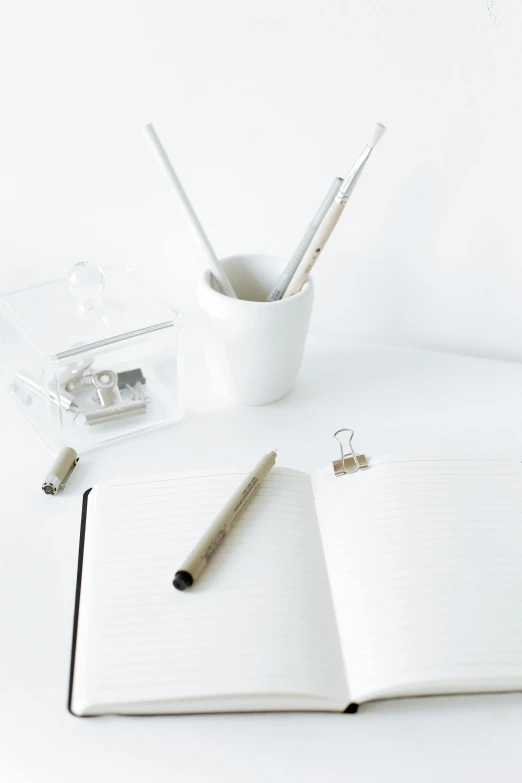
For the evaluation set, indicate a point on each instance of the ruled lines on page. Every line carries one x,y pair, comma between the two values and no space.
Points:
425,562
259,620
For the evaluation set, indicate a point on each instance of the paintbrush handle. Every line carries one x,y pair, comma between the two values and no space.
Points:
192,219
280,287
315,248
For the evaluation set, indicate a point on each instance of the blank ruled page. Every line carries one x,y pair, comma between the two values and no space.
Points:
425,562
256,631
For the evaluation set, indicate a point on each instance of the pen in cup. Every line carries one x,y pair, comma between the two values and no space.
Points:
198,559
222,280
332,216
289,270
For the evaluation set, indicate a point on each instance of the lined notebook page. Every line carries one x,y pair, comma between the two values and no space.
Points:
425,562
258,623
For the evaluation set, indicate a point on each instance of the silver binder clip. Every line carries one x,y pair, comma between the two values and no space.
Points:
24,387
349,463
76,375
61,471
115,412
106,383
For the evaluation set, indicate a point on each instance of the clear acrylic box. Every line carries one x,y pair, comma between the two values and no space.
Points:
93,357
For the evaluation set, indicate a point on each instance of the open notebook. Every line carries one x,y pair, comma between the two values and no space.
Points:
403,579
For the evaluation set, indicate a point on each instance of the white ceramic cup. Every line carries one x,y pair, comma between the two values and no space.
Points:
254,348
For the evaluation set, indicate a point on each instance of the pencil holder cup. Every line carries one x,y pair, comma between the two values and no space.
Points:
254,348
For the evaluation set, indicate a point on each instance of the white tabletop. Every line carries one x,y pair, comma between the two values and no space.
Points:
394,399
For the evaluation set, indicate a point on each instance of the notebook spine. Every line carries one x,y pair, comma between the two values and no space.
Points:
77,598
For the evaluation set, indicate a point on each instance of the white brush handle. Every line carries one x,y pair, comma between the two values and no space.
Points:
318,242
192,219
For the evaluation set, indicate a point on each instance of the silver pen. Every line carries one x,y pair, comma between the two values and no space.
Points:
288,272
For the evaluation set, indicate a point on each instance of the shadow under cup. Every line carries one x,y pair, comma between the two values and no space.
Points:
254,348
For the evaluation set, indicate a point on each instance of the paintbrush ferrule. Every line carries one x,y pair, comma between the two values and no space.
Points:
349,183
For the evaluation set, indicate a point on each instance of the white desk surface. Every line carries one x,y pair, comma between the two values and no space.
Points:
393,399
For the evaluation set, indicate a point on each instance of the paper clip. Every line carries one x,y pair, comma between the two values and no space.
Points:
348,463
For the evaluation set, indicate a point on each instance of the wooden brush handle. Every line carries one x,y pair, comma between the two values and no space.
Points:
319,240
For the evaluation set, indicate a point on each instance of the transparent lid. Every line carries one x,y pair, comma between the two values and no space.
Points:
89,309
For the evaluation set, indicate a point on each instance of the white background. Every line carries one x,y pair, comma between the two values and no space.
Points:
260,105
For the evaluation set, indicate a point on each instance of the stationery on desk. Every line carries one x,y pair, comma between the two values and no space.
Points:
336,588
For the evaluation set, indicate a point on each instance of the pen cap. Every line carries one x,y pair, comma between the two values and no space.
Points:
57,336
254,348
60,471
